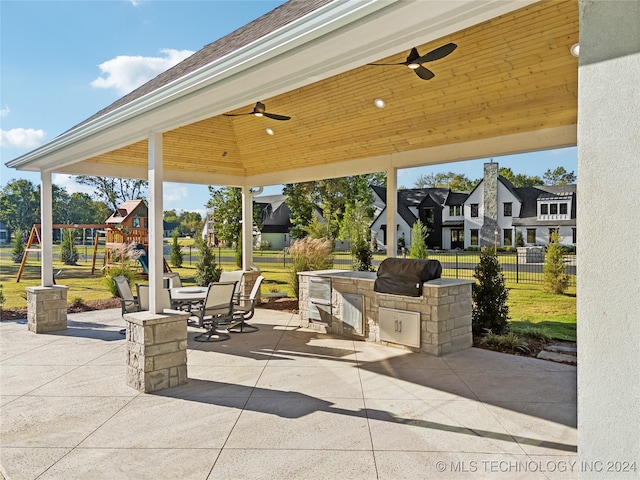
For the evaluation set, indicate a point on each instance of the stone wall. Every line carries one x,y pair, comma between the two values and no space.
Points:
444,308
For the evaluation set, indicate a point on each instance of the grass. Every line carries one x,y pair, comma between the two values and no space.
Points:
529,305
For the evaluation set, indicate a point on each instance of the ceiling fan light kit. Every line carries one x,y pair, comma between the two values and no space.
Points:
414,60
260,111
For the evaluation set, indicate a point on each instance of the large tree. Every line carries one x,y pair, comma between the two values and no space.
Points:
559,176
519,179
458,182
226,203
20,204
332,196
114,191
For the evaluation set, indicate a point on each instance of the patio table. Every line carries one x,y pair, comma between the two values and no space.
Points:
182,296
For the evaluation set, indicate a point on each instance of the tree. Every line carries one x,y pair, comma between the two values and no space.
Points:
520,180
190,222
114,191
457,182
18,246
68,251
355,229
489,294
20,205
554,277
176,252
418,247
559,176
207,270
226,203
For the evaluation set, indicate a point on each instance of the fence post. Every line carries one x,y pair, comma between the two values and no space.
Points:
456,264
517,268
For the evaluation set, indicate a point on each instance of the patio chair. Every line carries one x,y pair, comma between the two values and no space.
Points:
143,298
128,302
234,276
245,309
218,306
173,279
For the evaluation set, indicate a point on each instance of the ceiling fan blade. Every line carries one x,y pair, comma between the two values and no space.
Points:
236,114
275,116
424,73
438,53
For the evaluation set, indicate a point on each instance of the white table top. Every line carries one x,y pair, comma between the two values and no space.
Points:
188,294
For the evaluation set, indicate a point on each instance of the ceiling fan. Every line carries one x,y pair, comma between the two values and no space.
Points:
260,111
414,60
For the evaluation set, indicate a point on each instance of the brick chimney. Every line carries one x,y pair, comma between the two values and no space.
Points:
490,185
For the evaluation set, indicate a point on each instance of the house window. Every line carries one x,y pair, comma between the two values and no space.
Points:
573,235
3,235
507,209
457,236
531,235
563,209
136,222
474,210
553,209
508,238
474,236
544,209
455,210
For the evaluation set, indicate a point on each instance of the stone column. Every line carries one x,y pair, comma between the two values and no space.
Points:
156,350
490,204
47,308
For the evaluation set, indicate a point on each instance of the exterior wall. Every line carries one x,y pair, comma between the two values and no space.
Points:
470,222
608,326
276,240
542,235
404,231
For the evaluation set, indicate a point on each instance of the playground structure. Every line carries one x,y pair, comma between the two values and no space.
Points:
119,243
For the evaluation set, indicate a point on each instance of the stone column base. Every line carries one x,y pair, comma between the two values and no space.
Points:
156,350
47,308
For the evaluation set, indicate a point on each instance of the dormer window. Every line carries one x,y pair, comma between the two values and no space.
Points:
455,210
554,208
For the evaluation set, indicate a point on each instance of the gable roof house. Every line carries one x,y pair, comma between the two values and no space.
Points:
510,86
5,234
276,221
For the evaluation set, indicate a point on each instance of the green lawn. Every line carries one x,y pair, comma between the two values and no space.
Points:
529,305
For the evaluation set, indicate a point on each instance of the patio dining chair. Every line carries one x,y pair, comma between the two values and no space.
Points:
173,279
217,308
234,276
143,298
245,309
128,302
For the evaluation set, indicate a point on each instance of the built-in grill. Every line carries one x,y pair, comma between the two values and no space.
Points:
405,276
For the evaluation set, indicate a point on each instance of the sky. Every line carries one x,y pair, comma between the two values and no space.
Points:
63,61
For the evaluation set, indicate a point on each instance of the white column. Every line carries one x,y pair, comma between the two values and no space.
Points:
247,228
608,231
46,231
156,265
392,208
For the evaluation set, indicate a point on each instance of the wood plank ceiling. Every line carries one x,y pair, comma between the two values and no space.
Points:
509,75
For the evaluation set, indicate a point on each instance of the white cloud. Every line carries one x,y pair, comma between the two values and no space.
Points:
125,73
4,112
174,193
68,182
22,138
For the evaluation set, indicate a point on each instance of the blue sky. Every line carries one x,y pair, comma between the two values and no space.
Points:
62,61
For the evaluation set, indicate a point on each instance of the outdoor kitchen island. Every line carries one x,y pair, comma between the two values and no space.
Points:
345,303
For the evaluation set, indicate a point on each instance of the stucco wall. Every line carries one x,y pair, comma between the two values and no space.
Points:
609,280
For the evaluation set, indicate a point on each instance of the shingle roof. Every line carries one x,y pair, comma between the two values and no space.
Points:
275,213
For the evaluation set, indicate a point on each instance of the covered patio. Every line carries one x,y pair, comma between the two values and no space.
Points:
510,86
281,403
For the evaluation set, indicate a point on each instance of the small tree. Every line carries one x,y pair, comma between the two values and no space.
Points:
362,256
489,294
68,251
2,300
176,252
18,246
418,245
207,270
555,279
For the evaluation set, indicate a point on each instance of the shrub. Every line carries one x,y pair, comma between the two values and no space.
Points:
77,302
537,333
490,309
555,279
177,256
308,254
122,270
207,270
362,256
18,246
510,341
68,251
418,246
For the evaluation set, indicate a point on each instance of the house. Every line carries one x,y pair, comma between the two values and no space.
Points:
132,214
276,221
5,234
493,212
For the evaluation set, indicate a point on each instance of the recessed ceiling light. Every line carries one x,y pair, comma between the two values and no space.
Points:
575,49
378,102
269,131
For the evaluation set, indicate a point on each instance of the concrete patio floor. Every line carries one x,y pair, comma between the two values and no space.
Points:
281,403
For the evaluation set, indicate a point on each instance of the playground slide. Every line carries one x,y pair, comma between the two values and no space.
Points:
143,258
